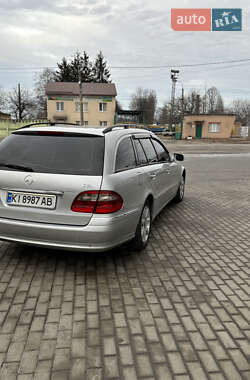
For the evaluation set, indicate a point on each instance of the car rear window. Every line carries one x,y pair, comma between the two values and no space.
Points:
58,154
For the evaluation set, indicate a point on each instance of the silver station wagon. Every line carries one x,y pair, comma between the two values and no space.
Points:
85,189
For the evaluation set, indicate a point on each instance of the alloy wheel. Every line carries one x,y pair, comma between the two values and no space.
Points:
145,223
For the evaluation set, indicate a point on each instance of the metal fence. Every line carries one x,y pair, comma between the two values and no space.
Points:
244,131
7,126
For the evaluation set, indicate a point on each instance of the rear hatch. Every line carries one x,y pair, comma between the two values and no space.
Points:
42,172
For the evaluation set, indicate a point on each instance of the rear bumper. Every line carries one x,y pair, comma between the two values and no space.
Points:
101,234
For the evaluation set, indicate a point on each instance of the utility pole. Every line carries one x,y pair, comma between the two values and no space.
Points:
182,101
205,99
174,76
80,97
19,103
182,109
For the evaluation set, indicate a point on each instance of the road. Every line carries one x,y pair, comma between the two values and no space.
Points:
207,147
179,310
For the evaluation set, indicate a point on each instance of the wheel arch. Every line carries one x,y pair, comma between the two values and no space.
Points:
184,173
150,199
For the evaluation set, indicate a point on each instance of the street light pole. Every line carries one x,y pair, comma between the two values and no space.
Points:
174,76
182,109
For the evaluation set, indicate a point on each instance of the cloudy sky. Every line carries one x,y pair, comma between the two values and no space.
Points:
129,33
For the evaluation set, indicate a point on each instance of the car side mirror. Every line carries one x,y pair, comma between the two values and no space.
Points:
179,156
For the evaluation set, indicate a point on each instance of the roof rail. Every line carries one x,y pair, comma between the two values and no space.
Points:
109,129
52,123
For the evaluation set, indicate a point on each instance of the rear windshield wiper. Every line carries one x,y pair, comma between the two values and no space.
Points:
16,167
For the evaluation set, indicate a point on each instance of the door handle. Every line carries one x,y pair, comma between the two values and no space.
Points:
152,176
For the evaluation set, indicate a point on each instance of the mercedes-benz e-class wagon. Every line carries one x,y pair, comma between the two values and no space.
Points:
86,189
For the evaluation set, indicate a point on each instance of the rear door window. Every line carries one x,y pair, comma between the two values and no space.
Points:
149,150
141,157
125,156
61,153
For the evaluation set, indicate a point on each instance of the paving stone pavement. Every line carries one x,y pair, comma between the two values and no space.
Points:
179,310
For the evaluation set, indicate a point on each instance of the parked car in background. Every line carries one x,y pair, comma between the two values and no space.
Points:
166,132
85,189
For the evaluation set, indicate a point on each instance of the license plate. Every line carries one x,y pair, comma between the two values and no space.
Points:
31,200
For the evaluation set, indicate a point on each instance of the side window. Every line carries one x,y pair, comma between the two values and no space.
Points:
125,156
141,158
162,154
149,150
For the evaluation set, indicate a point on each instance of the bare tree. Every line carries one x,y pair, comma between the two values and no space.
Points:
2,99
241,108
163,113
212,94
219,104
21,103
144,100
41,80
214,101
192,102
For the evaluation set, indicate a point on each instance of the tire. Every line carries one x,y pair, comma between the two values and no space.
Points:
143,228
180,193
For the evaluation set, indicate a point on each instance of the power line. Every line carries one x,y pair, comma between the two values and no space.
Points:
33,69
183,65
28,68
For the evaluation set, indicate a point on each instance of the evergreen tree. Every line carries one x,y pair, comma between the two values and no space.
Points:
100,70
86,70
69,71
81,66
63,74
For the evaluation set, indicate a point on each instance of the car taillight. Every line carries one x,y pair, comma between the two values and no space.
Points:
97,202
85,202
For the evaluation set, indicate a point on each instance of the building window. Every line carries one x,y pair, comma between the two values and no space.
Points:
103,123
85,122
214,127
59,106
84,106
102,107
